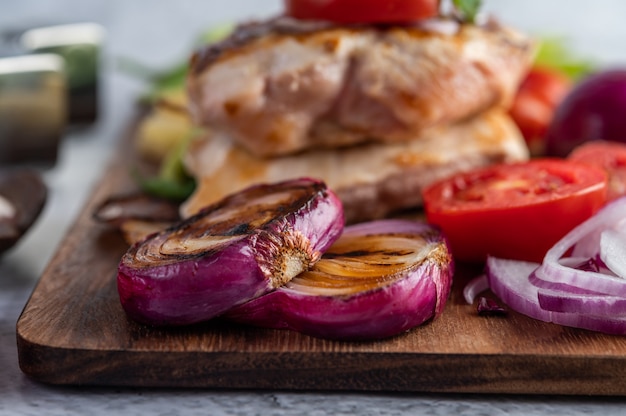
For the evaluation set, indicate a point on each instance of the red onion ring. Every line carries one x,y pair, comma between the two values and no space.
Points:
590,304
613,251
567,289
555,268
508,279
475,287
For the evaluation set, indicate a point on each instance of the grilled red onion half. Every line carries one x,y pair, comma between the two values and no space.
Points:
235,250
581,281
379,279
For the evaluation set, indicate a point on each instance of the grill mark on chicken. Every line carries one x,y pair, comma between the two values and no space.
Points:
372,180
299,87
245,33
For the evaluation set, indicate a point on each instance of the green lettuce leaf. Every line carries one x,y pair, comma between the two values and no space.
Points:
172,181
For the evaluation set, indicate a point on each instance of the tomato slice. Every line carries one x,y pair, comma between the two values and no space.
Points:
610,156
514,211
362,11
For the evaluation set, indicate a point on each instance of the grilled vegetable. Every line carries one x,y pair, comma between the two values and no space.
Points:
379,279
235,250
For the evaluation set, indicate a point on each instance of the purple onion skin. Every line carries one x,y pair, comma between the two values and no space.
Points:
594,110
196,287
414,299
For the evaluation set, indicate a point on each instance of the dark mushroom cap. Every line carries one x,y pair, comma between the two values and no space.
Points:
23,195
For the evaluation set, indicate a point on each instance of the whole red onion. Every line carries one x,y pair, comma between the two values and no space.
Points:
594,110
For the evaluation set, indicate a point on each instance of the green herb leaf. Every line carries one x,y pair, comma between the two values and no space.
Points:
172,181
468,8
554,53
164,188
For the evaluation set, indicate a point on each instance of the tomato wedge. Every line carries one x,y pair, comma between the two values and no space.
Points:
514,211
610,156
362,11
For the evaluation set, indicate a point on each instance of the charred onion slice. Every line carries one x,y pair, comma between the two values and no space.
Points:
240,248
379,279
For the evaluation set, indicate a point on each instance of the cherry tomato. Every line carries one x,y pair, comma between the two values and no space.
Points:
515,211
362,11
610,156
533,108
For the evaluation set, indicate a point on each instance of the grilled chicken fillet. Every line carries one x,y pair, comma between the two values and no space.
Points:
373,180
284,86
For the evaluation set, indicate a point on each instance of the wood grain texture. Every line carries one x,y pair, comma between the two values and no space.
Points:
74,331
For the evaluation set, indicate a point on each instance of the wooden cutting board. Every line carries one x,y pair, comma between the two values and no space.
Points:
74,331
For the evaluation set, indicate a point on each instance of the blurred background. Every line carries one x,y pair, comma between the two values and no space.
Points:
159,35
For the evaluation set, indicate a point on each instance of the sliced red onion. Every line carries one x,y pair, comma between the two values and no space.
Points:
586,304
508,279
235,250
489,307
379,279
613,251
567,289
474,287
558,286
485,305
589,245
557,269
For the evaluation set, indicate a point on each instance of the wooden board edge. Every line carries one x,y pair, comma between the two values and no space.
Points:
423,373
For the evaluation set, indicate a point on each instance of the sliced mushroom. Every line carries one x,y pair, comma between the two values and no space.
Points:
23,195
139,206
